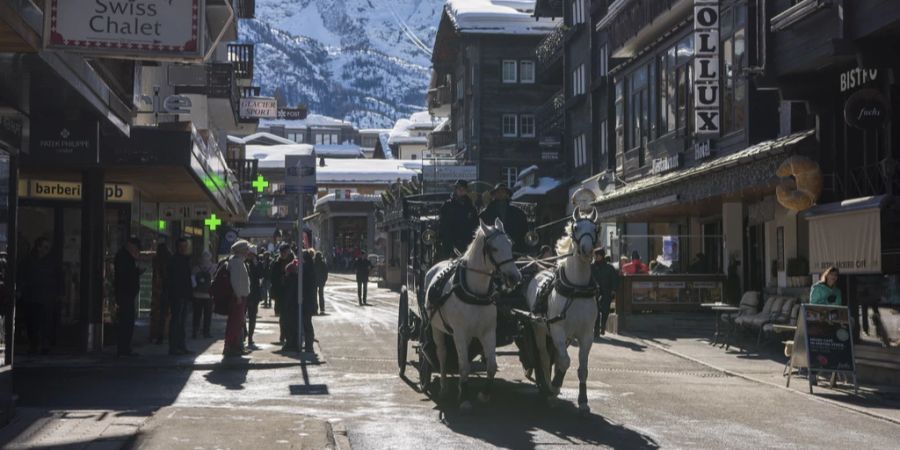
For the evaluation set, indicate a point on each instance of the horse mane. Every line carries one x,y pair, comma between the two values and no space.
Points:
477,242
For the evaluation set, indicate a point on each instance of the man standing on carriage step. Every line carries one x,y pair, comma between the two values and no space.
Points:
607,279
514,220
458,220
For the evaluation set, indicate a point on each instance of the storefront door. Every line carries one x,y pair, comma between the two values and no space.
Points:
755,264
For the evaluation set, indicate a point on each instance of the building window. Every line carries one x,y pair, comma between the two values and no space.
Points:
620,122
319,140
460,89
638,110
509,71
577,12
527,128
578,81
602,61
604,143
734,59
509,175
510,125
526,71
579,150
673,86
460,138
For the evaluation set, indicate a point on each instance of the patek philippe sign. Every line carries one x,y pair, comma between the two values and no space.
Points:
259,108
67,142
706,68
164,29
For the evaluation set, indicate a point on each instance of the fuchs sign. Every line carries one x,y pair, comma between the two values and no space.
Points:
146,29
706,68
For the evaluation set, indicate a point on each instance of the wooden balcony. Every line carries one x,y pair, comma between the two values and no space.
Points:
549,54
246,171
241,55
438,139
550,116
632,24
439,100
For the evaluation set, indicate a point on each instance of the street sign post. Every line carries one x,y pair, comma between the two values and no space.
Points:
300,179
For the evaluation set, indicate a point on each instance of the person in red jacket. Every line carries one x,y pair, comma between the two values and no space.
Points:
635,267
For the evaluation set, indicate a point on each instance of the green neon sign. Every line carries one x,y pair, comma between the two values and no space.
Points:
213,222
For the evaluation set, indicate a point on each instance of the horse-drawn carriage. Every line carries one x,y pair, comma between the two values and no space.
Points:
449,300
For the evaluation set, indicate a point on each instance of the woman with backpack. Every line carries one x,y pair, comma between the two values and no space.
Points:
203,274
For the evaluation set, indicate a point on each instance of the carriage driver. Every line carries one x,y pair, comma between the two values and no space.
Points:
514,220
458,220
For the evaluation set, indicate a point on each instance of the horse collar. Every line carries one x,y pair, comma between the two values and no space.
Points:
565,287
462,291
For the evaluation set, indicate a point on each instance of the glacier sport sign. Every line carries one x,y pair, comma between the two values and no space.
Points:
149,29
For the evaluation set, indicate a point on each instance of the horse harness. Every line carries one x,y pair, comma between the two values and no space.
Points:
559,282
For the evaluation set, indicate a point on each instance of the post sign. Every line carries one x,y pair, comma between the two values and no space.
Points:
300,174
145,29
706,68
823,341
292,113
66,142
259,108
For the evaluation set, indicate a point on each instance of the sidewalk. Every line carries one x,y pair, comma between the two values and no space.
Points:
168,428
208,351
690,335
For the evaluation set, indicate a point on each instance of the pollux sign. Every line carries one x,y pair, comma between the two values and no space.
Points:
706,68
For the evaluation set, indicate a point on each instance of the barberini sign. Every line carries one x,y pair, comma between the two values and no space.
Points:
149,29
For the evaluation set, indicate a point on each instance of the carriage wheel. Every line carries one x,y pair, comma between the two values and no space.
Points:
403,331
424,364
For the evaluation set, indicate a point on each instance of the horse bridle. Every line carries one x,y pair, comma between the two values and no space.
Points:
488,250
593,236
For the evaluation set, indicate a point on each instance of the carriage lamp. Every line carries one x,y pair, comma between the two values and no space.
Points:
429,237
532,238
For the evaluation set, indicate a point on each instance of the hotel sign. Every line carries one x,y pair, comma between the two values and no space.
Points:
665,164
706,68
146,29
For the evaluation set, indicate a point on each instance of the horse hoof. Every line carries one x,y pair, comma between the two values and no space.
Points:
551,401
483,398
584,409
465,407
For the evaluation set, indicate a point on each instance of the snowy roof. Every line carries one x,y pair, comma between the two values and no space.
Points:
443,125
422,120
374,130
258,137
366,171
385,140
497,17
527,172
544,185
354,197
338,150
312,120
272,156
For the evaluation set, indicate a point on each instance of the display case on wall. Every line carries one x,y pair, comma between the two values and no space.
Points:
668,292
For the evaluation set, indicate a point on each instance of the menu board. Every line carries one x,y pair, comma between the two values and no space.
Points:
675,292
829,343
643,292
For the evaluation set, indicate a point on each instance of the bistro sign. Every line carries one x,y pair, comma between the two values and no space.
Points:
706,68
165,29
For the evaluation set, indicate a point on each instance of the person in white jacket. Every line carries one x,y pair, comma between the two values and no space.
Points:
240,285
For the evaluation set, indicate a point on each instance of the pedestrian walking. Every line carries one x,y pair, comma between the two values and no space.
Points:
126,286
309,301
458,220
159,306
203,275
363,268
179,293
276,276
240,286
321,278
266,267
826,292
254,270
606,277
41,281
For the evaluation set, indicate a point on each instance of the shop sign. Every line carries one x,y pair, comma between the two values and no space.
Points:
856,77
702,150
549,156
258,108
292,113
65,190
300,174
867,109
11,130
706,67
146,29
60,143
665,164
849,241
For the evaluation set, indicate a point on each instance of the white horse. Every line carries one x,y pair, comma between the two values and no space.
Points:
571,309
469,312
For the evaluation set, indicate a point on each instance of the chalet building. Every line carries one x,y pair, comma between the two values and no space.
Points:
315,129
484,78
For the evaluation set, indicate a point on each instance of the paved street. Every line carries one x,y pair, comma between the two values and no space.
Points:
641,397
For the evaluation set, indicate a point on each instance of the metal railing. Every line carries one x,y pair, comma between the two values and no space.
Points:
550,116
250,91
550,50
625,20
874,179
245,170
222,83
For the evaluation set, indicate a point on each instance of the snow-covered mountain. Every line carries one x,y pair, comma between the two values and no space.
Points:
365,61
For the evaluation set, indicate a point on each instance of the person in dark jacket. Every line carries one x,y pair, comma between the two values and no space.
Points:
363,266
279,288
607,279
254,269
458,220
42,286
309,301
321,278
179,292
289,308
127,285
515,222
159,307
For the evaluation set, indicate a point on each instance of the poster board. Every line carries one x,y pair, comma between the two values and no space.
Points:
823,342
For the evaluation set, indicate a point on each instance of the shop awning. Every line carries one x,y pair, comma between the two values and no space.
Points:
846,235
648,190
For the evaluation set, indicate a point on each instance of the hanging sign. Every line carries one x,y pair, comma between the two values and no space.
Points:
64,143
867,109
706,68
300,174
164,29
258,108
292,113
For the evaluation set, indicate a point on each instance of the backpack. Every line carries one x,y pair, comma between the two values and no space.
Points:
220,289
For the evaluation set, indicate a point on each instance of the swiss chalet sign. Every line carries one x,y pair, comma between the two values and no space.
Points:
163,29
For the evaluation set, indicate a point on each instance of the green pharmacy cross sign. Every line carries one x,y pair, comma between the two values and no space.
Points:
261,183
213,222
